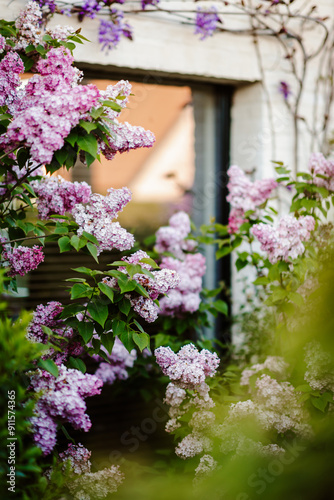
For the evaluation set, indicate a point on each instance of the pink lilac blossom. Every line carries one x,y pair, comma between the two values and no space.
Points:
285,241
77,458
2,43
62,400
319,367
161,282
186,296
22,259
10,68
28,24
111,31
96,218
318,165
193,444
119,360
57,196
206,21
48,316
49,106
172,238
124,137
245,196
189,367
274,364
206,465
96,485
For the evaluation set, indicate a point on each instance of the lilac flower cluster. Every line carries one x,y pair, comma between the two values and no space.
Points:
119,360
28,24
245,196
10,68
89,8
145,3
96,218
50,105
110,32
125,137
284,241
22,259
62,400
161,282
319,367
172,238
189,367
318,165
48,315
188,370
96,485
82,483
274,364
206,22
2,43
77,457
57,196
186,296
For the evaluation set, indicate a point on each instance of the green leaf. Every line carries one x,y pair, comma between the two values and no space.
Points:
118,327
112,105
127,286
61,156
71,310
223,251
90,237
138,325
221,306
88,126
142,340
126,338
88,143
83,270
296,298
79,290
48,365
75,242
99,312
86,330
262,280
93,251
77,363
108,340
107,290
72,138
124,306
64,244
150,262
319,403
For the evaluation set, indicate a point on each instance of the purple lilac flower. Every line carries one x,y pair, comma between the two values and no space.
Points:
77,456
172,238
89,8
2,43
284,241
28,23
319,165
284,89
10,68
119,360
245,196
22,259
96,218
162,282
62,400
185,297
206,22
50,5
110,32
57,196
51,104
189,367
145,3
